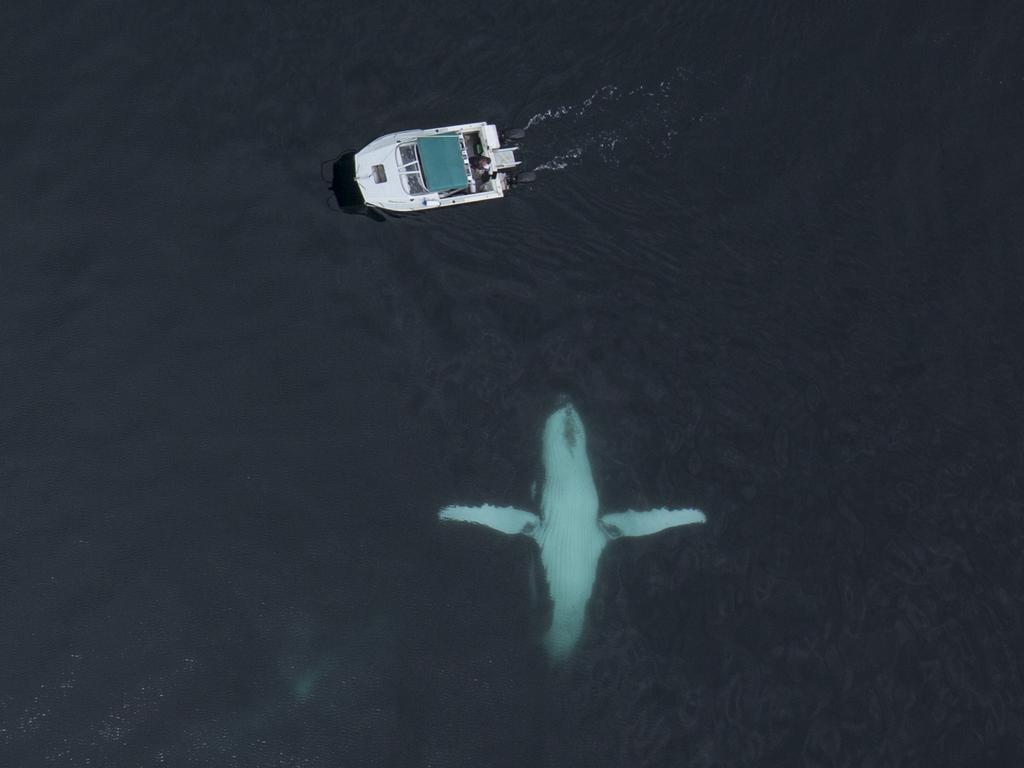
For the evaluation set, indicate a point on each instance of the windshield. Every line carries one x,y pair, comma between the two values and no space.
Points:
409,169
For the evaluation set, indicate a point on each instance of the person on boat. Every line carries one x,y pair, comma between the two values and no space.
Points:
481,168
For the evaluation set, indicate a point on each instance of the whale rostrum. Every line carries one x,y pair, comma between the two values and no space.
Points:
569,532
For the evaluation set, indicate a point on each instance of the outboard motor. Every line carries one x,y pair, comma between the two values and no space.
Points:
513,134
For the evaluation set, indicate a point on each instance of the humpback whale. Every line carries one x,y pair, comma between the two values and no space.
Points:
569,532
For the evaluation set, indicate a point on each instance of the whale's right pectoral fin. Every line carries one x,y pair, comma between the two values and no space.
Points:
644,523
505,519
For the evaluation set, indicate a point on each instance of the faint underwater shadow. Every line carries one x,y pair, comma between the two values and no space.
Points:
346,195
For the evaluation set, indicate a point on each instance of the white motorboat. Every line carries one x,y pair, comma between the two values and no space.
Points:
420,170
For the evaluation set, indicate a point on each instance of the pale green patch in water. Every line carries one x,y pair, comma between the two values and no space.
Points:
570,534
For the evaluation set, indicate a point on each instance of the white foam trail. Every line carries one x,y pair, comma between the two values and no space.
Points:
547,114
558,162
605,92
648,118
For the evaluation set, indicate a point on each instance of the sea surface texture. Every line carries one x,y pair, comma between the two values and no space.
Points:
773,255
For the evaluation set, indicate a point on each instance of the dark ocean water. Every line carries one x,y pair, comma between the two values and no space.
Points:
773,254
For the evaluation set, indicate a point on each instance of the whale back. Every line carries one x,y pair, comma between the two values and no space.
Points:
569,537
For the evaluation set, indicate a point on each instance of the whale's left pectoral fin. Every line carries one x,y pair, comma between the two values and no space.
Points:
644,523
505,519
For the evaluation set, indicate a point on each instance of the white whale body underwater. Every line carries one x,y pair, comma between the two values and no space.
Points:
570,533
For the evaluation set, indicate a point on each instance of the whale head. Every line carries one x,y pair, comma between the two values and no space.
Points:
564,442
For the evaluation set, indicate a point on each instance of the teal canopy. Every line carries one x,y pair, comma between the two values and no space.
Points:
441,162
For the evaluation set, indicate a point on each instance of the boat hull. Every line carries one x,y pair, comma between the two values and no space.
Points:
380,170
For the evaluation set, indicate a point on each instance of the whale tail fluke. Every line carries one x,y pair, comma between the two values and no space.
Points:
504,519
632,523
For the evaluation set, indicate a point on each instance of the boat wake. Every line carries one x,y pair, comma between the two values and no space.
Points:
646,117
